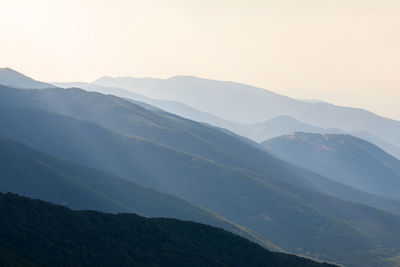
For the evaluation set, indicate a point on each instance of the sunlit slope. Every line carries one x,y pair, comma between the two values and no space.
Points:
34,174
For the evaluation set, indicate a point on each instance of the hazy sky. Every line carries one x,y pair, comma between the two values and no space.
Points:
342,51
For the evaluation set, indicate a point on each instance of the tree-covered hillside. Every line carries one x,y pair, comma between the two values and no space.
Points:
35,233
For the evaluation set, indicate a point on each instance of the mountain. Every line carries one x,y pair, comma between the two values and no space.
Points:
388,147
343,158
278,126
10,77
285,125
204,166
36,233
125,117
122,116
258,132
324,227
247,104
33,174
169,106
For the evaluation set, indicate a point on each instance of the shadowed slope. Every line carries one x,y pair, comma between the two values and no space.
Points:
35,233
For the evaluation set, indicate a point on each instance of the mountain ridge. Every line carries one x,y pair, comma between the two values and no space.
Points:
10,77
344,158
258,132
206,117
249,104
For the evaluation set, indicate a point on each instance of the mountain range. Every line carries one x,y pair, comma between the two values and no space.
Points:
265,200
225,178
247,104
277,126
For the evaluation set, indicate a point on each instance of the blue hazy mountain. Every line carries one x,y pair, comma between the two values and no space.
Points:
265,204
169,106
343,158
388,147
261,131
58,236
285,125
247,104
225,148
258,132
123,116
279,126
34,174
10,77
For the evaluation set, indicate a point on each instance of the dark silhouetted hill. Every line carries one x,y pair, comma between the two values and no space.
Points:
35,233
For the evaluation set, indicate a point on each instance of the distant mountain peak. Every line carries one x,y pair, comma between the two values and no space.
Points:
9,71
13,78
285,118
102,78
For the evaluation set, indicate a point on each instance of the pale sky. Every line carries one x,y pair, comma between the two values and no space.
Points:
342,51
